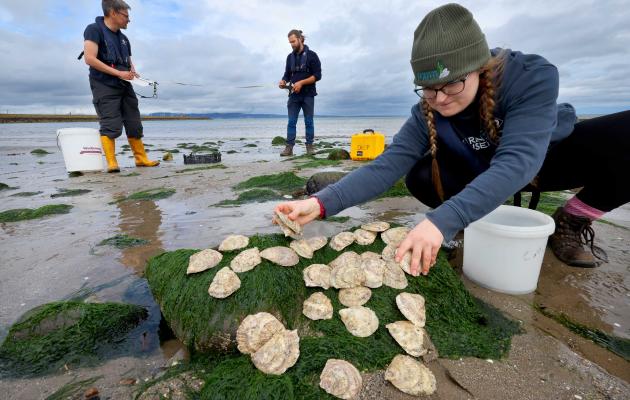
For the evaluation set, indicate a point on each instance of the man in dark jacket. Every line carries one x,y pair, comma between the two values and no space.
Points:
301,72
108,53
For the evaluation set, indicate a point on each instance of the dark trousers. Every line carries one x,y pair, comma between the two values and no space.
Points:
595,157
307,104
116,107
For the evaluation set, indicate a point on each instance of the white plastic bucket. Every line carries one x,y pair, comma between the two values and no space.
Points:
81,149
503,251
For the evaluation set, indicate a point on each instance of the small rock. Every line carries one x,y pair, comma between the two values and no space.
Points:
128,381
91,393
167,156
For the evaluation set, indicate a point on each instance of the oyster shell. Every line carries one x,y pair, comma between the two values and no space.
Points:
363,237
346,258
340,379
317,275
389,252
289,227
374,269
353,297
410,376
280,255
256,330
225,283
302,248
317,306
347,276
203,260
360,321
376,226
317,242
234,242
342,240
370,254
394,276
246,260
409,336
394,236
412,307
278,354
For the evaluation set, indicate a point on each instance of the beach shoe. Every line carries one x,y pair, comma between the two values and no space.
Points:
571,235
109,148
288,151
310,149
140,154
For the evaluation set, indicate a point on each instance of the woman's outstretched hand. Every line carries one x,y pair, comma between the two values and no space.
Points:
424,242
301,211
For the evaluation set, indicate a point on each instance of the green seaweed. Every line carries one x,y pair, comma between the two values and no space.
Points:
123,242
232,151
338,219
338,154
317,163
40,152
75,174
73,389
549,201
278,141
285,182
251,196
251,145
69,192
65,333
21,214
130,174
26,194
205,167
399,189
151,194
4,186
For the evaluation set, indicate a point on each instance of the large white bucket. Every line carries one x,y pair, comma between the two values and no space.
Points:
81,149
503,251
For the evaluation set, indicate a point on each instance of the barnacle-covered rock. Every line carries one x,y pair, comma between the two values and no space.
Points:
346,258
347,276
278,354
360,321
394,236
317,306
409,336
376,226
302,248
317,275
234,242
370,254
412,307
246,260
342,240
340,379
317,242
410,376
225,283
394,276
281,255
203,260
289,227
356,296
256,330
363,237
374,269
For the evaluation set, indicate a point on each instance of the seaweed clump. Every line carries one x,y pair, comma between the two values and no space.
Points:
40,152
151,194
65,333
251,196
69,192
278,141
285,182
21,214
123,242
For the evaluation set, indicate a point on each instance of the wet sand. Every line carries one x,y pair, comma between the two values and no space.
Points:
57,257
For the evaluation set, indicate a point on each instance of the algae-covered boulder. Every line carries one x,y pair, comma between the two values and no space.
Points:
65,333
320,180
278,141
339,154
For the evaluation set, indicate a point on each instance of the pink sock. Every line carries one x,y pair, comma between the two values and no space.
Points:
576,207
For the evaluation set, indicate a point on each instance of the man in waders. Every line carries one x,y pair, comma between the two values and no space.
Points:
108,53
301,72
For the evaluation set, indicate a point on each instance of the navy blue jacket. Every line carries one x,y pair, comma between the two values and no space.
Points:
114,50
302,66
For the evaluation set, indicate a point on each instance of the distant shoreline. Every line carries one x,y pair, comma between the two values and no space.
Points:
34,118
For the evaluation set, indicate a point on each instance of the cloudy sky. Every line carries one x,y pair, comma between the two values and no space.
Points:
364,46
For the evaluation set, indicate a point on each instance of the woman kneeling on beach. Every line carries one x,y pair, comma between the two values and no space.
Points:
486,127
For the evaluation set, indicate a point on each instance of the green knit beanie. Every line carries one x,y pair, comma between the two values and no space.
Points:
447,45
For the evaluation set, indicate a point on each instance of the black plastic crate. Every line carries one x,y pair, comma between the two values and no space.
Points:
202,158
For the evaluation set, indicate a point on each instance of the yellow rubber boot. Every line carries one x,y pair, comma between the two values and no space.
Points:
109,148
140,155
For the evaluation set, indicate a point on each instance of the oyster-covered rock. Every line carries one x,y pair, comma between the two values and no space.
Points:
360,321
289,227
370,254
353,297
255,331
281,255
225,283
317,242
346,258
342,240
340,379
412,307
347,276
317,275
203,260
246,260
394,236
409,336
394,276
410,376
376,226
302,248
374,269
278,354
363,237
234,242
317,306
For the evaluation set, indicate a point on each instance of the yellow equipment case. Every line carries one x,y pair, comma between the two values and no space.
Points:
367,145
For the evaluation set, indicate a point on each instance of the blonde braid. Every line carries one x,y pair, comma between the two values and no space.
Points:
435,169
489,80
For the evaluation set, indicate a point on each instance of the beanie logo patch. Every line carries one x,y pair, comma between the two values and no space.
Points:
438,73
